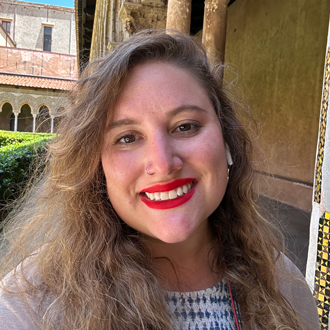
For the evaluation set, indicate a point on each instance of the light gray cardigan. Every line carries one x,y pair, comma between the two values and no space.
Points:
14,313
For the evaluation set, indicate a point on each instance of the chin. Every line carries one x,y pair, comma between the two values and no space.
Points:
173,239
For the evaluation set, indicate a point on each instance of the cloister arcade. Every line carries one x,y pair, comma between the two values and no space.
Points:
29,113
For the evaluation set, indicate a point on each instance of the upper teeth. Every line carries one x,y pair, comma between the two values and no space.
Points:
165,195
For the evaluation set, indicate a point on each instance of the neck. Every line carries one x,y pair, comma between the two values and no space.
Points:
187,265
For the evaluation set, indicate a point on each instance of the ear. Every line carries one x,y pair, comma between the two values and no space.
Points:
228,155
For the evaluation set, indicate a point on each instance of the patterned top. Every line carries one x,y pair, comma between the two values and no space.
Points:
208,309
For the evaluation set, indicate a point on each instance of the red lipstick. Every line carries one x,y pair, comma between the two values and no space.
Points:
170,203
161,187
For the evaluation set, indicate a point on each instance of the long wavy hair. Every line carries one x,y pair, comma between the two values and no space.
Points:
91,265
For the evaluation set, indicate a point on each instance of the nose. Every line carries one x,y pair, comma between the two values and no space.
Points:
163,156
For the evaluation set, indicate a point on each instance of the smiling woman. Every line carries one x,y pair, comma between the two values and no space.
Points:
169,124
145,215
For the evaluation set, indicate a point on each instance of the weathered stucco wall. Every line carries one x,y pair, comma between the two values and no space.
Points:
28,20
277,48
23,61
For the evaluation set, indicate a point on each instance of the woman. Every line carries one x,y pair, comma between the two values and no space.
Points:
145,216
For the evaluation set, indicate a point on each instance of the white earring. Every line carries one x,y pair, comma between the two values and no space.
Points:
228,155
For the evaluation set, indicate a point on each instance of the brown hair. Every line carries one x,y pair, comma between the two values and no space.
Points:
93,264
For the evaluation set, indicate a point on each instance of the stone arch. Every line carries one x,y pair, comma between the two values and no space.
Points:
59,110
6,112
42,105
25,118
4,102
26,99
9,97
47,101
23,104
43,119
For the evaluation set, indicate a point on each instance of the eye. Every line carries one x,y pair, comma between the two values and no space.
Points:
187,128
127,139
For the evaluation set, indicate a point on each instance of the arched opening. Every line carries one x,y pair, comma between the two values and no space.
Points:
12,122
5,115
57,118
25,119
43,121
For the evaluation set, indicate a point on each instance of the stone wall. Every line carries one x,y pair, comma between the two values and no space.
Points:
28,20
24,105
276,49
35,98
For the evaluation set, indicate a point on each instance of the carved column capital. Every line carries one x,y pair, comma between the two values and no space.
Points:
136,17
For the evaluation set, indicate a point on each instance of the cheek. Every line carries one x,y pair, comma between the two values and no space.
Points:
212,153
113,175
214,163
121,173
118,167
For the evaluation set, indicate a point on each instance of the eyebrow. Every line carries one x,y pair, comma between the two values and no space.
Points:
122,122
185,108
174,112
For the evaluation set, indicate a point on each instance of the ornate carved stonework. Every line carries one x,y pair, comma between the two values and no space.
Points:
17,100
8,98
149,14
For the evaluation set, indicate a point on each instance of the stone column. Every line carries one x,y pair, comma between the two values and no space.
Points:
214,29
179,15
99,37
52,124
34,122
16,121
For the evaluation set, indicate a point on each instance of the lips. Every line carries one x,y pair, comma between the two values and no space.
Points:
172,194
169,195
161,187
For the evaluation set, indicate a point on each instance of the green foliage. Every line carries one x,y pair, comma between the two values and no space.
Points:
18,151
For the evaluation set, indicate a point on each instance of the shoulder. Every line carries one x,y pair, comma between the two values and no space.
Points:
20,306
15,313
294,288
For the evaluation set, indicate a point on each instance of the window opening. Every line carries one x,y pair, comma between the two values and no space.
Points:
6,25
47,38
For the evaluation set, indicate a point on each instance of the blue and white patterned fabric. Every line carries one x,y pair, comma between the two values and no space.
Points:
208,309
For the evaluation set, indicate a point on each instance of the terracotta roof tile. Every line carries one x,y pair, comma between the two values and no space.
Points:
36,82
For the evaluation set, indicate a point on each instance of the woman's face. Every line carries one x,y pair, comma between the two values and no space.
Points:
164,119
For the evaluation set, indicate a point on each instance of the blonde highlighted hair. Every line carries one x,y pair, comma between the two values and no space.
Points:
90,262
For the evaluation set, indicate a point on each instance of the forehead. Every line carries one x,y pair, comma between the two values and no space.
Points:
159,86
